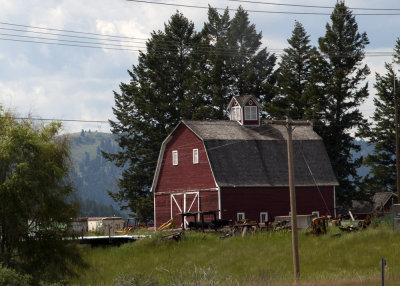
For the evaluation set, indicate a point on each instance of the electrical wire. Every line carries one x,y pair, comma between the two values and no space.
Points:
258,11
164,48
72,36
55,119
69,45
93,45
312,6
70,31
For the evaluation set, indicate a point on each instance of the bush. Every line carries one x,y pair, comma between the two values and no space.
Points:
9,277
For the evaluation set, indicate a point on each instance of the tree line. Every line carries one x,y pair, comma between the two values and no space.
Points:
189,74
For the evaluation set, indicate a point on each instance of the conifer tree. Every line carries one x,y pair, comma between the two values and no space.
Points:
382,162
343,46
294,98
381,134
250,67
215,79
161,92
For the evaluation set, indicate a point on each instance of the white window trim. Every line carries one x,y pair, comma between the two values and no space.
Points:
175,158
315,213
250,112
236,113
266,216
195,156
240,214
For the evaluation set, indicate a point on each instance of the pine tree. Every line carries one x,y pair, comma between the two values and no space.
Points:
161,92
214,76
250,68
381,134
343,46
294,98
382,175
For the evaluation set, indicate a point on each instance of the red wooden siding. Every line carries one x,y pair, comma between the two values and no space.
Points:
186,175
275,201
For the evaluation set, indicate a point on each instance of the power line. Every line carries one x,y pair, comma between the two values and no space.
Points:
69,45
259,11
71,36
68,41
93,45
312,6
56,119
70,31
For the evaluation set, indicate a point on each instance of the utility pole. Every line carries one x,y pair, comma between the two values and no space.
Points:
396,123
290,125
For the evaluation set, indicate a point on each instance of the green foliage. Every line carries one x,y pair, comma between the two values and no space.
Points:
34,188
382,175
343,93
250,68
258,259
296,98
381,134
182,75
9,277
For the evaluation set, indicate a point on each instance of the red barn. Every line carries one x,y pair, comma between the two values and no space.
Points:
239,167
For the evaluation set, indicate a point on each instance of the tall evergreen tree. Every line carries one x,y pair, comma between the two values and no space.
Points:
250,66
381,134
214,75
162,91
382,162
294,98
343,46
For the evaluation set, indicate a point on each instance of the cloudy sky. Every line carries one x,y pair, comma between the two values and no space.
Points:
70,82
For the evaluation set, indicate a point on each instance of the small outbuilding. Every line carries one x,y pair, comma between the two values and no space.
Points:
381,203
80,225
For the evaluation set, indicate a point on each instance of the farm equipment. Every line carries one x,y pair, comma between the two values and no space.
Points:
319,225
166,225
128,228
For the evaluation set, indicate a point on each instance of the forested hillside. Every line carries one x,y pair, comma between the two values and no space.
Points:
92,174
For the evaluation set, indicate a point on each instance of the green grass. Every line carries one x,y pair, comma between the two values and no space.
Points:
258,259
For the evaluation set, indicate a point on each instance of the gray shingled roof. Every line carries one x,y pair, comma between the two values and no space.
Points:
378,201
257,156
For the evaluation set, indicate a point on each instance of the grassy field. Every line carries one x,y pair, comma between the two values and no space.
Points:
257,259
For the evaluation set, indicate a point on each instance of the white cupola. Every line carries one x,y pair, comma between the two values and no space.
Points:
245,109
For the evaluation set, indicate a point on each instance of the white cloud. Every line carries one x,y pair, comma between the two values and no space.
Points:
77,83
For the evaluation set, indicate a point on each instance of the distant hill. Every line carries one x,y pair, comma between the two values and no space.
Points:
92,174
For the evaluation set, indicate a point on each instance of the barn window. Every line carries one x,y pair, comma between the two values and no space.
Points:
240,216
263,217
195,156
250,113
315,213
175,157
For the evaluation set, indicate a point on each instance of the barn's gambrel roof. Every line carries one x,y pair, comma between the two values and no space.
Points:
257,156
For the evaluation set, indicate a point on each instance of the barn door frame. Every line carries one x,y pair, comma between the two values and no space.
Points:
197,196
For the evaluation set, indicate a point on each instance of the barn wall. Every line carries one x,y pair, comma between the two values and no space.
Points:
275,201
186,175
